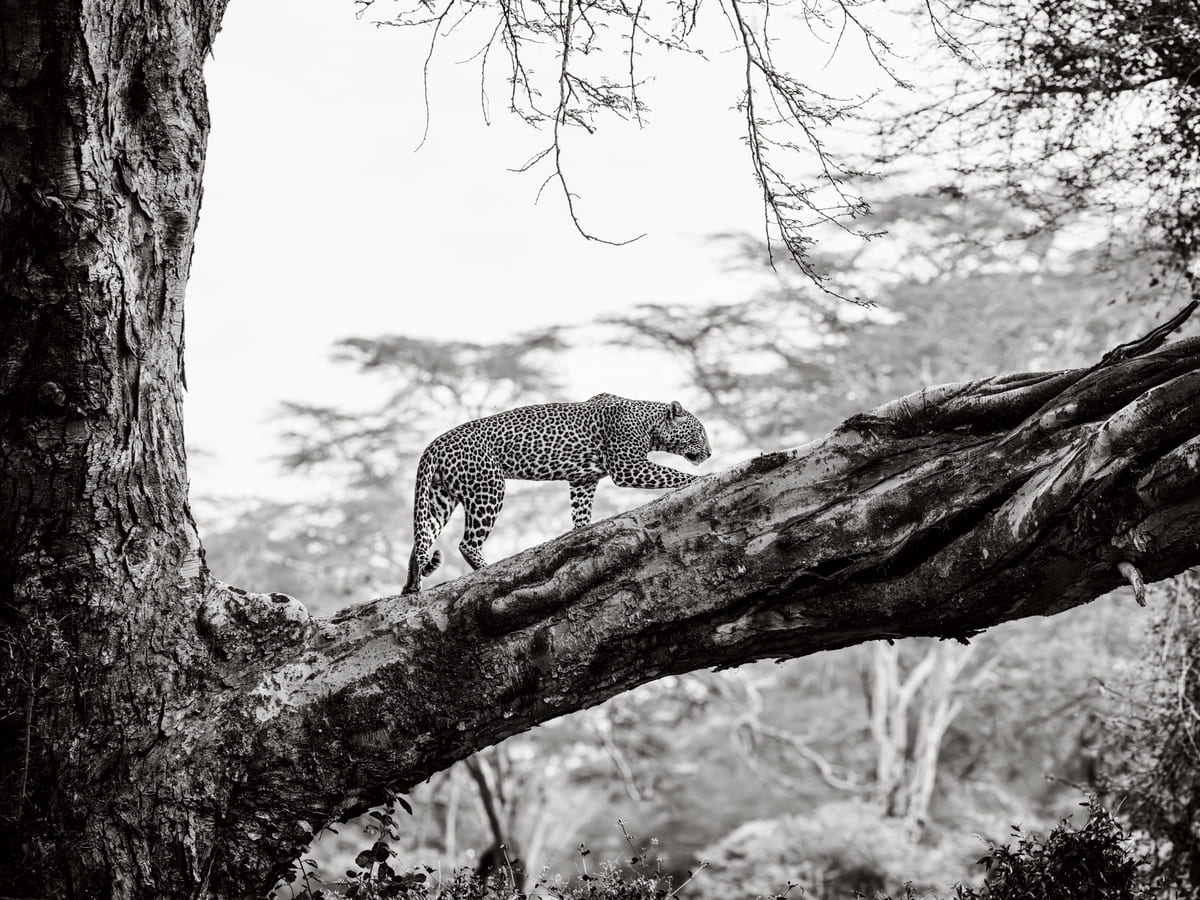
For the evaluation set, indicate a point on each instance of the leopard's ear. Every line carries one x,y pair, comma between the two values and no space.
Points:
676,409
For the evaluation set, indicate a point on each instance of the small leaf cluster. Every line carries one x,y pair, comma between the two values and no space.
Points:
1094,862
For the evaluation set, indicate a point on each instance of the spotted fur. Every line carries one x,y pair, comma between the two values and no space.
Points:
578,443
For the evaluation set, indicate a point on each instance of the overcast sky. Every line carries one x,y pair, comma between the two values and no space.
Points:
320,220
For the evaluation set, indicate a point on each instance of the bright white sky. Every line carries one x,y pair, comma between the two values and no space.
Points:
320,221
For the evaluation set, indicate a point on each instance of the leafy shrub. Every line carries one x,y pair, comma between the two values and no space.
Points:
1152,743
1095,862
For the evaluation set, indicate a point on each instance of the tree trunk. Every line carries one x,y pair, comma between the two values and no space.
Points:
891,694
909,715
939,708
103,122
165,736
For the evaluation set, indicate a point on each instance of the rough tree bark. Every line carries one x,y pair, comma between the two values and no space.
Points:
167,736
103,123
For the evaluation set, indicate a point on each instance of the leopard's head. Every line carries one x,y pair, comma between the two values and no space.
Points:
681,433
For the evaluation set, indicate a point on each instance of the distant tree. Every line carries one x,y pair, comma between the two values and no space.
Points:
415,389
1079,106
954,297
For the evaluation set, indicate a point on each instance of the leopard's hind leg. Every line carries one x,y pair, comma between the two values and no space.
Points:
431,509
481,508
441,506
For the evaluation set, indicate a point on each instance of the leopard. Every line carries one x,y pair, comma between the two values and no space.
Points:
579,443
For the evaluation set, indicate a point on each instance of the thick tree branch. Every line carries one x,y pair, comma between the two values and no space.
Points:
940,514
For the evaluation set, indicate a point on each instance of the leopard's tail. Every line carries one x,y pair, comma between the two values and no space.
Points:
422,526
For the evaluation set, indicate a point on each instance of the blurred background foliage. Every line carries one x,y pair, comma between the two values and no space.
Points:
860,769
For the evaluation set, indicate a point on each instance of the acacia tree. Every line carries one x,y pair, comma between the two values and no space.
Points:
1087,106
166,735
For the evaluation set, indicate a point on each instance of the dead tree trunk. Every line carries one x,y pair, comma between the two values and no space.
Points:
165,736
910,714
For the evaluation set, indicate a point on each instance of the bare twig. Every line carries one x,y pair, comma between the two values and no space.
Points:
577,32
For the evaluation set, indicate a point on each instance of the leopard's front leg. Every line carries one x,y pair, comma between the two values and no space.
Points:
642,473
582,493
